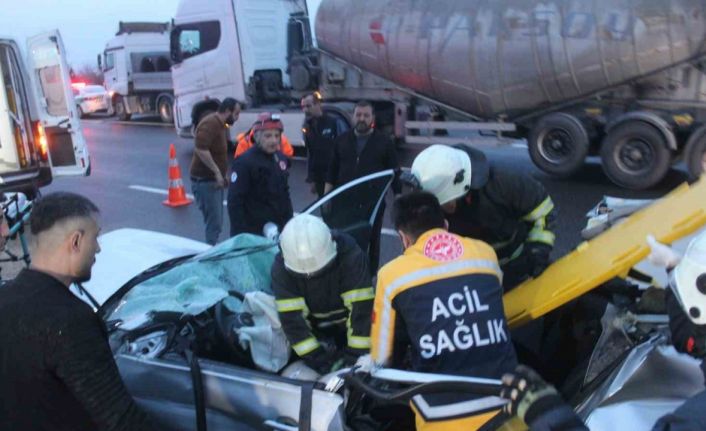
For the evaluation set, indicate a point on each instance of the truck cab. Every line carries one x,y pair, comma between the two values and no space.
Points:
40,130
136,70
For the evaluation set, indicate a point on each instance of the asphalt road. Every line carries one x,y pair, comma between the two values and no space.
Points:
129,183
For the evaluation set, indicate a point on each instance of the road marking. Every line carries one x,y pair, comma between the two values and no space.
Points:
385,231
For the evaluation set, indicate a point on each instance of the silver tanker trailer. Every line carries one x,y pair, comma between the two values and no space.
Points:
623,79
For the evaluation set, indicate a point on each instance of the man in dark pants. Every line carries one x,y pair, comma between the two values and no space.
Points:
359,152
320,131
56,368
209,165
259,183
511,212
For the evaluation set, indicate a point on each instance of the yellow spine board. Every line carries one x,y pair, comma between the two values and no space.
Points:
612,254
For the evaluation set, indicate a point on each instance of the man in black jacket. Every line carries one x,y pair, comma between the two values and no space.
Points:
359,152
259,182
56,368
320,131
324,294
511,212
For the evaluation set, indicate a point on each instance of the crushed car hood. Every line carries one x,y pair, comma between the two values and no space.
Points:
126,253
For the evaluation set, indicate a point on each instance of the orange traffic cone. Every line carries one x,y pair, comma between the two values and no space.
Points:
177,196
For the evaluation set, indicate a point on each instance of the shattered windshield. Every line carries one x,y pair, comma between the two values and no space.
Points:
237,266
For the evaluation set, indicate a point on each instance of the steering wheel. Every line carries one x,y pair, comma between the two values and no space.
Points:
226,320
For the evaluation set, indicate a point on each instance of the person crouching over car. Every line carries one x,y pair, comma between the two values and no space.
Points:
441,301
324,294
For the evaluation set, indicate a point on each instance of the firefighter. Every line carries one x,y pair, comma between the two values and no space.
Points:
442,299
511,212
542,408
259,190
324,294
244,141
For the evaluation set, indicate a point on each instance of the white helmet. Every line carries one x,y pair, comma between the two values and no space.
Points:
689,280
307,245
446,172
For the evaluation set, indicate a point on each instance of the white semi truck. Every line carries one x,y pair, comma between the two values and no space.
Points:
40,130
136,70
623,80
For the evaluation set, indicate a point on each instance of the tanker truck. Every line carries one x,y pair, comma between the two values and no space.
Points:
619,79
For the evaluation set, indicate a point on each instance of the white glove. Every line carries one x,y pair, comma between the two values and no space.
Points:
662,255
365,364
271,231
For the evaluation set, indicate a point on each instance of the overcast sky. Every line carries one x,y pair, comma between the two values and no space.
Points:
85,25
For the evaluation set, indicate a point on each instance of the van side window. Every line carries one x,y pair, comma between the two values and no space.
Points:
197,38
15,125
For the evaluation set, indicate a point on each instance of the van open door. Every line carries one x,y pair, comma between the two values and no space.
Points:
58,118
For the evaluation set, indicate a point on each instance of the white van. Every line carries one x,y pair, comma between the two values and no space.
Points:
40,130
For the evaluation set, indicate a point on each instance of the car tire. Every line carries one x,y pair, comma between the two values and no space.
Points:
166,110
558,144
694,153
119,109
635,155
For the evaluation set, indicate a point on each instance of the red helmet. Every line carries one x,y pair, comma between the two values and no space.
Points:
267,121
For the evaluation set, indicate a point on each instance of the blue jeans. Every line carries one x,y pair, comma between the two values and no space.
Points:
209,198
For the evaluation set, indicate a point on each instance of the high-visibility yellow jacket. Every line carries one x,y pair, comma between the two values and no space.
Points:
443,298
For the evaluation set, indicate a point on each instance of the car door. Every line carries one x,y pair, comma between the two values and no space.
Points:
68,154
354,207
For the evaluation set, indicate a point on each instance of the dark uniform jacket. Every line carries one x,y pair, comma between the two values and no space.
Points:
512,213
56,369
378,154
339,298
258,192
319,136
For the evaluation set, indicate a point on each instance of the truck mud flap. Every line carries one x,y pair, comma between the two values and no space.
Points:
609,255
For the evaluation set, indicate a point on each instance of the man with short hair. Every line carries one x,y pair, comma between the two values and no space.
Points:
56,368
359,152
442,299
209,164
259,183
320,131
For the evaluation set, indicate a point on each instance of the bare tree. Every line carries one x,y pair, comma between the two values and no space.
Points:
88,74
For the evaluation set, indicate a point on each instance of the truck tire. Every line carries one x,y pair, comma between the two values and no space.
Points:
120,110
165,107
635,155
695,153
558,144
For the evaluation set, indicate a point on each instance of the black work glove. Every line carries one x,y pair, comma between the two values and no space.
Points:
687,337
538,257
537,403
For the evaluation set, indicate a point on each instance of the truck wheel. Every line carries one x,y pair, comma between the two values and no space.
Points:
119,109
558,144
165,109
695,153
635,155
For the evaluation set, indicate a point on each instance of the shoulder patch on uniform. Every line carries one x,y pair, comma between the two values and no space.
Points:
283,165
443,247
233,177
